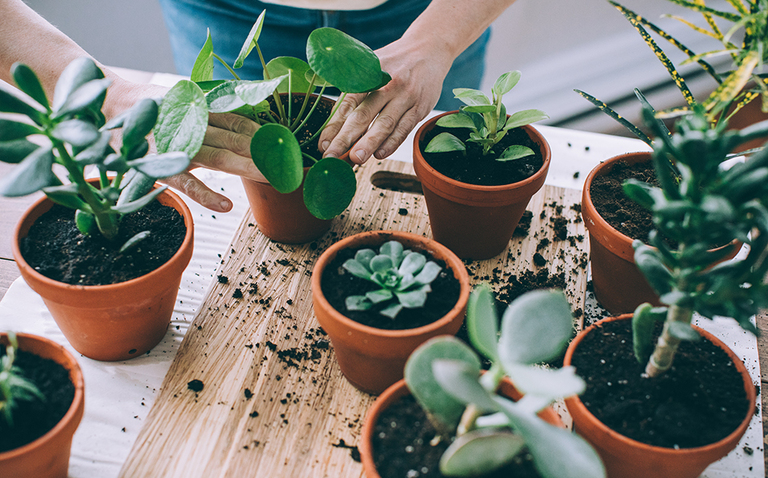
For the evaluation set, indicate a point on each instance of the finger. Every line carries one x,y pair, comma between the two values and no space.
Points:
406,124
237,123
220,159
225,139
345,109
199,192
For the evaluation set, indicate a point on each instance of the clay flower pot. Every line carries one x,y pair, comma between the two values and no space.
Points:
370,358
399,390
627,458
117,321
475,222
48,456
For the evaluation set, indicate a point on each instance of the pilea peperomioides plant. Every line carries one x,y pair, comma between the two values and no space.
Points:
72,134
403,275
334,59
486,430
14,387
487,121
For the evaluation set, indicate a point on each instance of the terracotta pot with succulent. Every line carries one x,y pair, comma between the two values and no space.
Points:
41,405
303,191
109,271
707,203
477,183
459,422
381,294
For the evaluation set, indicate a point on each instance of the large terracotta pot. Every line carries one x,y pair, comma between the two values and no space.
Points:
627,458
475,222
117,321
373,359
399,390
48,456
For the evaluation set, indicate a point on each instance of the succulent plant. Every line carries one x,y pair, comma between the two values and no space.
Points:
14,387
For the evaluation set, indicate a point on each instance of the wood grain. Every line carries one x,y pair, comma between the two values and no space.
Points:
274,402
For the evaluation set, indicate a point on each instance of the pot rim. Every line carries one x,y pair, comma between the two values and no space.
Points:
371,237
734,436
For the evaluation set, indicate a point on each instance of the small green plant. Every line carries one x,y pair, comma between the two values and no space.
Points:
484,429
403,275
707,204
334,59
14,387
70,132
486,119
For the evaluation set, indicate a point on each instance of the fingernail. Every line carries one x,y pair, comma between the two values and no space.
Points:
226,205
381,154
325,145
361,156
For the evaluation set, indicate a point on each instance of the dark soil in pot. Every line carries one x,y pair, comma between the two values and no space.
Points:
338,284
55,247
33,419
401,446
314,123
475,168
699,401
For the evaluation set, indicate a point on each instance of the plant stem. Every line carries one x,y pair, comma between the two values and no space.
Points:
294,125
666,346
490,382
231,71
275,95
335,108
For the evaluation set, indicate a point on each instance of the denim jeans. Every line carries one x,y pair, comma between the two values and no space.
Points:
286,30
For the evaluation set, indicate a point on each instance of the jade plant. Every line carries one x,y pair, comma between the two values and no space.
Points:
484,429
707,204
487,121
71,133
402,275
280,146
14,387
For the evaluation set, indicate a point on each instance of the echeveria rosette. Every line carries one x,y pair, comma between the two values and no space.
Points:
402,275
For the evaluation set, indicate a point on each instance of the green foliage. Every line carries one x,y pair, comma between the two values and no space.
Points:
14,387
402,275
486,119
334,59
71,132
487,430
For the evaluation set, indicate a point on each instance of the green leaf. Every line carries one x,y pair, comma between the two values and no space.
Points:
224,98
506,82
456,120
139,122
27,81
254,92
136,185
202,70
471,97
358,302
683,331
429,273
97,151
552,384
525,117
482,109
183,119
31,175
653,268
134,206
276,153
161,165
85,222
643,193
250,41
295,68
377,296
479,452
413,299
357,268
444,142
643,319
11,130
381,263
392,310
516,151
412,263
90,96
14,101
482,322
207,86
134,241
460,380
329,187
78,133
15,151
345,62
79,72
66,195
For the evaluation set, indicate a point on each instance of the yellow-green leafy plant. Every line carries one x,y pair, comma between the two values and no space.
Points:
14,387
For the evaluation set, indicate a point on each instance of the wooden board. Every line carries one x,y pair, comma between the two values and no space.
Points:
274,402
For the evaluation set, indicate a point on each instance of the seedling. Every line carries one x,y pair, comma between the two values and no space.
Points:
14,387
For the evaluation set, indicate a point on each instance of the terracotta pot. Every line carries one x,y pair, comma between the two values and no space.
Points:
117,321
373,359
475,222
399,390
48,456
284,217
627,458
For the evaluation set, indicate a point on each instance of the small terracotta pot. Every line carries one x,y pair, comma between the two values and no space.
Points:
399,390
475,222
627,458
48,456
373,359
117,321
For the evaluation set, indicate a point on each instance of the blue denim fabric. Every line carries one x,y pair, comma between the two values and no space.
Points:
286,30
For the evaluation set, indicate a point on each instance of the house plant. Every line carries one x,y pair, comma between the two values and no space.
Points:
472,215
101,319
372,354
475,426
706,204
285,147
44,428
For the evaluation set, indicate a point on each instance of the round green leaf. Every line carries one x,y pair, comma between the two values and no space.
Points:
345,62
295,68
277,154
479,452
183,119
27,81
140,121
329,187
444,142
85,222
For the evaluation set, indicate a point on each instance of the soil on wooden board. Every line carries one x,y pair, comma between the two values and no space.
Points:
473,167
699,401
402,449
315,122
33,419
55,247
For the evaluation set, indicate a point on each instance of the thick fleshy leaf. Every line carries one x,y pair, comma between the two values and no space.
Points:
161,165
11,130
443,143
135,186
479,452
295,68
456,120
224,98
202,70
461,381
364,256
31,175
412,263
76,132
14,101
516,151
651,264
28,82
506,82
276,153
393,249
329,187
358,302
139,122
134,206
392,310
413,299
183,119
429,273
643,322
85,222
97,151
250,41
683,331
377,296
381,263
79,72
482,322
66,195
522,118
134,241
549,383
357,269
254,92
89,96
15,151
345,62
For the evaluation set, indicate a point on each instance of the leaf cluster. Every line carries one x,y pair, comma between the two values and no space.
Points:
487,430
71,132
402,275
14,387
486,119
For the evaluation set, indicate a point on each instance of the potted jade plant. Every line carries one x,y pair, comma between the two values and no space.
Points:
41,405
381,294
676,420
451,420
479,168
106,254
303,190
